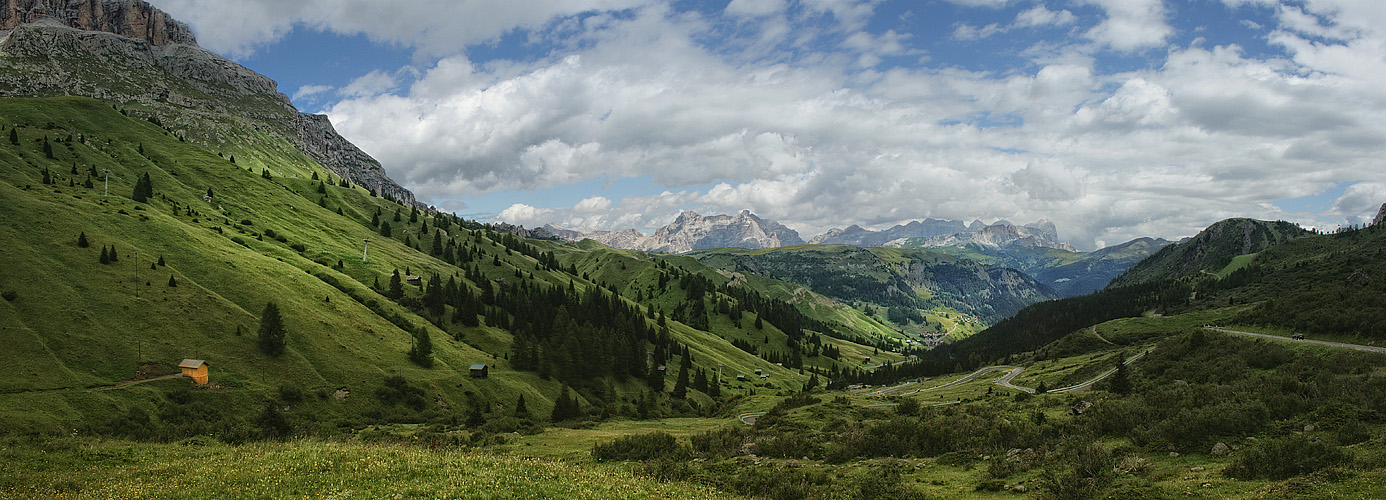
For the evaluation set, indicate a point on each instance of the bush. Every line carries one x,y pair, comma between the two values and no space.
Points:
724,442
1285,458
640,447
10,295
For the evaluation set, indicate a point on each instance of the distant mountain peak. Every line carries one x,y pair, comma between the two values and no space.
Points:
1380,215
693,231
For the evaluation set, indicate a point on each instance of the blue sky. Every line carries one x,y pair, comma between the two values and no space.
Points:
1113,118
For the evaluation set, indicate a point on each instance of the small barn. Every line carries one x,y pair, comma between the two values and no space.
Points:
741,377
195,369
414,280
479,370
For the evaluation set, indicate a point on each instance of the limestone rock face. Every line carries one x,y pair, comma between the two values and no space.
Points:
857,236
1380,215
691,231
129,18
129,53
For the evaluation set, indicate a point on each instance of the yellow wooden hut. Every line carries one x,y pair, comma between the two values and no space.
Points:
195,369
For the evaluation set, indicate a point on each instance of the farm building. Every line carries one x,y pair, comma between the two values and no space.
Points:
195,369
479,370
414,280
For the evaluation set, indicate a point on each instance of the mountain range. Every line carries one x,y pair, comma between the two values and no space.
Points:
691,231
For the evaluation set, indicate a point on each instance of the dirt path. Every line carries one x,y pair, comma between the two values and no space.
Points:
127,383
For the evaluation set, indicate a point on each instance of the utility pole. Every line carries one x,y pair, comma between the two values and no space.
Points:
108,182
137,275
365,250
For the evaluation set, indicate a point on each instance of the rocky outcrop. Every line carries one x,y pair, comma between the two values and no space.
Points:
691,231
129,18
1380,215
135,56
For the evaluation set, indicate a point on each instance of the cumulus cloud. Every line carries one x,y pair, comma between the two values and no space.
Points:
801,117
1131,24
430,26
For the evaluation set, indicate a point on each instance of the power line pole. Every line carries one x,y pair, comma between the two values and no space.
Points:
108,182
365,250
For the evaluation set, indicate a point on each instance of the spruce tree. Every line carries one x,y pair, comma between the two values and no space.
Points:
172,282
681,387
105,256
47,149
82,240
521,411
14,136
114,256
271,330
396,287
47,178
385,229
421,353
565,408
161,261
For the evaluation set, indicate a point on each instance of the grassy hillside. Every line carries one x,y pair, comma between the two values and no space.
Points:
1211,250
232,239
1068,273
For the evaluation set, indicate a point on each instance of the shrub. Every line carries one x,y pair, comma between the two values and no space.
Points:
1284,458
724,442
640,447
10,295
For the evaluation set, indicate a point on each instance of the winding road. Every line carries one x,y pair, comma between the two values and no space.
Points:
1326,343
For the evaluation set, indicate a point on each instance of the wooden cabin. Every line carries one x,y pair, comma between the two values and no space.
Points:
479,370
195,369
741,377
758,371
414,280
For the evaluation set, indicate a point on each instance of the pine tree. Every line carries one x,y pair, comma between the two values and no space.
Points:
681,387
114,256
47,178
565,408
144,189
422,351
521,411
385,229
396,287
47,149
82,240
271,330
14,136
315,177
172,282
209,193
105,256
161,261
1121,380
233,159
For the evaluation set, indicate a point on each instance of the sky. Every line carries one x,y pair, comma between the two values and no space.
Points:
1115,119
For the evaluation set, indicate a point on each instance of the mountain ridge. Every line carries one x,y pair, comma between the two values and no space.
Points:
85,48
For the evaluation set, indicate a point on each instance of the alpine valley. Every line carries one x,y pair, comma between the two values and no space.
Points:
168,218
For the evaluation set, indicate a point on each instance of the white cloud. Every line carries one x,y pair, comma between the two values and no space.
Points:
822,135
1131,24
755,8
1039,15
433,27
307,91
373,83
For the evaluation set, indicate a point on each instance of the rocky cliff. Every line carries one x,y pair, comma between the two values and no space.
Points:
130,18
135,56
1380,215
